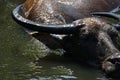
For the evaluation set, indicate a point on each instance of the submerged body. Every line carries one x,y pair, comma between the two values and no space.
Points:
64,11
92,42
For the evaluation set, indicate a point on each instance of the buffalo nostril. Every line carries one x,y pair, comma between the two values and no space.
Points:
114,60
108,66
111,65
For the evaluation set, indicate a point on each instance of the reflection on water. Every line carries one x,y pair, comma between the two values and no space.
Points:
18,52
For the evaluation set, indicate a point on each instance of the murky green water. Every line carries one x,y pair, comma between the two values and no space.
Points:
18,52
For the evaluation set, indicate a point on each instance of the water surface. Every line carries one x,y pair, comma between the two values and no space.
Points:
18,52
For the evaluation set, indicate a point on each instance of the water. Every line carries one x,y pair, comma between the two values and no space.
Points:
18,52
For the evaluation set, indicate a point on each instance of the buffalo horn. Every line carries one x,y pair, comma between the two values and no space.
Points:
47,28
107,14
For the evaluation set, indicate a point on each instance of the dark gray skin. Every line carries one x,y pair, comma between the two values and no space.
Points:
64,11
87,38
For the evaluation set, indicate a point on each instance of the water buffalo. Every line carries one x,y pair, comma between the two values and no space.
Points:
69,25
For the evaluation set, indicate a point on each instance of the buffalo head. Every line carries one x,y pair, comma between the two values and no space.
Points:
95,42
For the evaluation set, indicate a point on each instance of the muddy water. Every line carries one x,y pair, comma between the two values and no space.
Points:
18,52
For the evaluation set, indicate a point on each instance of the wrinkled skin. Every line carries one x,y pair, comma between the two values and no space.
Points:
95,42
